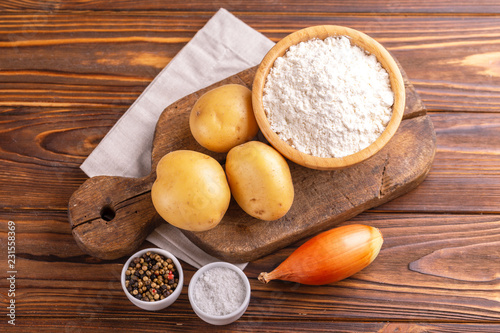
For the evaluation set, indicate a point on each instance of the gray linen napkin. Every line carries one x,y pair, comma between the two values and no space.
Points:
223,47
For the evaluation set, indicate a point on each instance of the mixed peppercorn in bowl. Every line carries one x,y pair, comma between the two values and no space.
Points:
152,279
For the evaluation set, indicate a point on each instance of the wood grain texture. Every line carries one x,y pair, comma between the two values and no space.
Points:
105,60
82,291
70,69
465,171
111,216
271,326
262,6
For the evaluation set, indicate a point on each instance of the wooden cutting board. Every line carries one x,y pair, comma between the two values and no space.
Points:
111,216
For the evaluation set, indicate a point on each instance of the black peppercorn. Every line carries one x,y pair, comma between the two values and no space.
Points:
151,277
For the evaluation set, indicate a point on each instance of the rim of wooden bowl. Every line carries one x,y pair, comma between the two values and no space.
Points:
321,32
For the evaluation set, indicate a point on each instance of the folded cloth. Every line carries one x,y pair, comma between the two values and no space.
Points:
223,47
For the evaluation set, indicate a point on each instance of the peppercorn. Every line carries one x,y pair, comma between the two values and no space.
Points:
151,277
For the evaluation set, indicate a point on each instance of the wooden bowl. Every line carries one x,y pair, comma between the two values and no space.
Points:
321,32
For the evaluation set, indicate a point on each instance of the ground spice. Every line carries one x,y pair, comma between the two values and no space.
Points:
151,277
219,291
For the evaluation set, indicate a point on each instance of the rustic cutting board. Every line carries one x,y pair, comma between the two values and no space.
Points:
112,216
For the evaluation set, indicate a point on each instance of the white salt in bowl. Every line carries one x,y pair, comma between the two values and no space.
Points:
322,32
223,319
167,301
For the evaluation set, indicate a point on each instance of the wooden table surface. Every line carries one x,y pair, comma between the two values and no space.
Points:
70,69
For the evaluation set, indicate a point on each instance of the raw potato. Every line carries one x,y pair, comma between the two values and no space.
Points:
223,118
260,180
191,191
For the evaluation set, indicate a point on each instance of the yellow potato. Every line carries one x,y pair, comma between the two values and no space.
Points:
191,191
260,180
223,118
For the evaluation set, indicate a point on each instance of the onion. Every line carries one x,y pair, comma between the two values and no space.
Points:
330,256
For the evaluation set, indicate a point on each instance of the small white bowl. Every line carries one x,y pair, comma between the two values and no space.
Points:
225,319
167,301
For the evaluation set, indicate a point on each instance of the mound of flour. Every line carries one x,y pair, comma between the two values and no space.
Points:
328,98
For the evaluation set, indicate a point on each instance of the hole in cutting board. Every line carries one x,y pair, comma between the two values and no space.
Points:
108,213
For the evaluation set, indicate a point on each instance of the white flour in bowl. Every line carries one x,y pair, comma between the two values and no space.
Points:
328,98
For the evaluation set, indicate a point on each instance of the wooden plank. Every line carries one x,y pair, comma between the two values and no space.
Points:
42,149
415,277
39,155
250,325
71,69
334,6
465,174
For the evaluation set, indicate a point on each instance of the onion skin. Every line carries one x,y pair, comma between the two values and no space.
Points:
330,256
